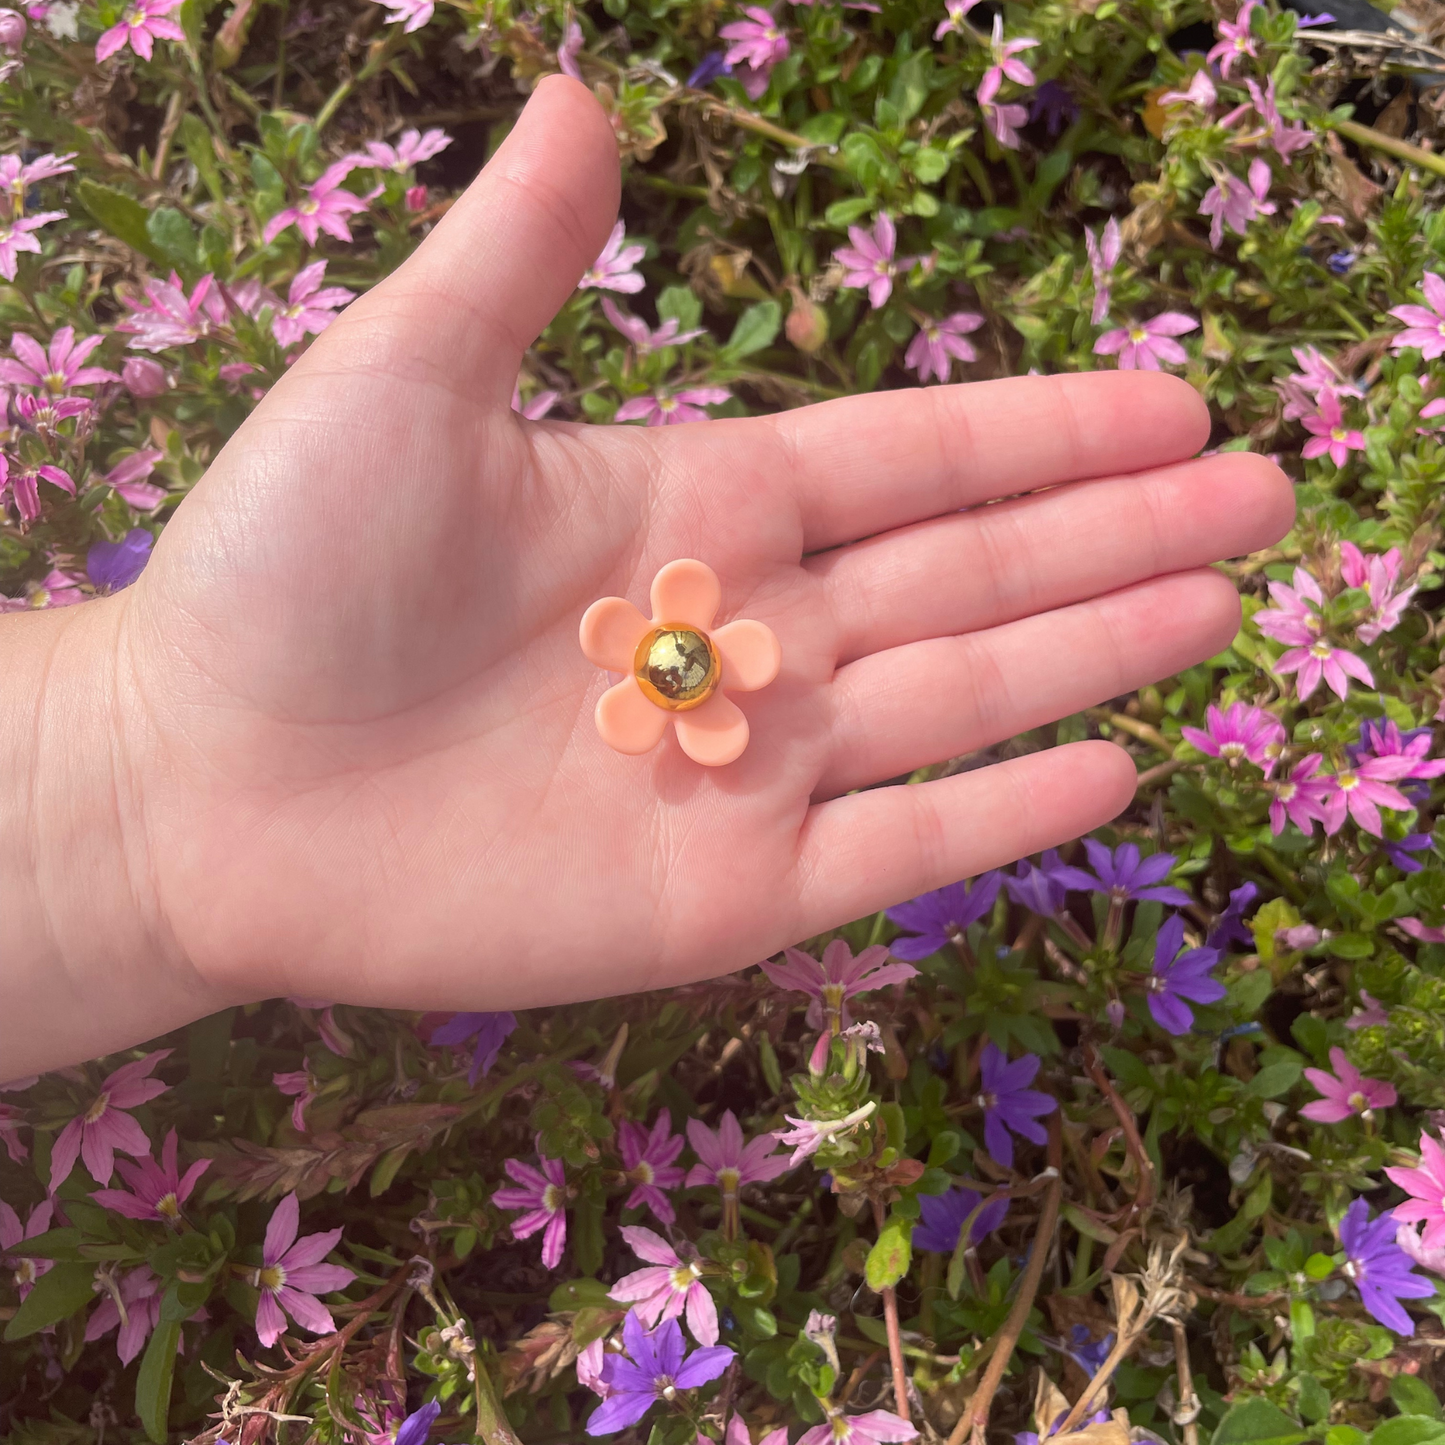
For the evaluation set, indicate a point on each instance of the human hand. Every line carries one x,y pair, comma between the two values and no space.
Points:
342,733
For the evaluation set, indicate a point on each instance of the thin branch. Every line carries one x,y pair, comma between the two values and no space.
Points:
895,1335
1145,1192
1401,149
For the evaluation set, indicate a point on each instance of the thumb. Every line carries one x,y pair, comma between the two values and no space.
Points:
498,267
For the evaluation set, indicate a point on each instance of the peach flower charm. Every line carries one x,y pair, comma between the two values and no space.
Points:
678,667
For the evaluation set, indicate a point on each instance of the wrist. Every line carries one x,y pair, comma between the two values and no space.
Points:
87,964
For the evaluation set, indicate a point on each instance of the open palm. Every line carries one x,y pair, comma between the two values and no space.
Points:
359,727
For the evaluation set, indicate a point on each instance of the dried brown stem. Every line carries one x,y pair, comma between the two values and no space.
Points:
1186,1413
1144,1194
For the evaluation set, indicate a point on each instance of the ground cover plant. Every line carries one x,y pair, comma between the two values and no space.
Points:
1139,1140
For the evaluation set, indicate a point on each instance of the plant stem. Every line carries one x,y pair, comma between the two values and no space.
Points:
895,1335
1144,1193
1401,149
492,1423
1186,1413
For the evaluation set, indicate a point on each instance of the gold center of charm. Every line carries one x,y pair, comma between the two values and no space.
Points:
676,667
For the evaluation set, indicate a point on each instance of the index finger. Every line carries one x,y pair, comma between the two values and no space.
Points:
866,464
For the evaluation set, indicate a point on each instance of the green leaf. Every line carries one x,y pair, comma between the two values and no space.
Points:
890,1257
680,304
53,1244
1409,1430
1412,1396
844,213
121,215
756,328
174,237
1275,1079
56,1296
153,1383
1257,1422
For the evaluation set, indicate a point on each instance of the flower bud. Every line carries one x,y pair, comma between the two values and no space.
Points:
807,324
142,376
416,198
818,1059
12,31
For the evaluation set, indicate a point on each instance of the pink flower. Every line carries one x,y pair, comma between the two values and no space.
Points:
838,978
298,1085
538,407
415,13
12,38
143,378
1285,138
141,24
1323,660
1301,389
104,1127
868,263
664,408
931,352
22,483
1413,1245
1296,620
1235,204
877,1427
569,49
1424,329
590,1360
415,199
1426,1185
11,1119
543,1194
1348,1094
45,413
1374,1011
1364,789
1240,732
55,371
167,317
1421,931
157,1191
1299,797
26,1270
671,1286
807,1136
1378,575
1103,257
1235,40
16,235
1144,345
413,148
128,477
642,337
1003,121
647,1162
309,308
292,1275
1004,64
325,207
1200,92
956,9
17,176
614,269
757,43
140,1292
726,1161
1328,432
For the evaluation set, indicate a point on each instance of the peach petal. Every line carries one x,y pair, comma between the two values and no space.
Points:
713,734
627,720
688,592
751,655
611,629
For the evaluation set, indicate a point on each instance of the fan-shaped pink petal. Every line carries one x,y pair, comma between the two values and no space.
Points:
611,629
629,722
751,655
686,592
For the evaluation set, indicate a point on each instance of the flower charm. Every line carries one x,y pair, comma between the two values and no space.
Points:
678,667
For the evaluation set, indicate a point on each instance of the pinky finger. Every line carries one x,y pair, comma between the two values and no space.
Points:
874,849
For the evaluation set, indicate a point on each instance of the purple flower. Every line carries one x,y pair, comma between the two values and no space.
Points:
1053,105
1300,797
1235,40
1379,576
712,65
1146,345
671,1286
24,1270
490,1030
1400,851
1041,890
309,308
647,1163
661,407
1103,257
1379,1268
292,1275
868,264
944,1215
157,1191
325,207
941,917
1008,1104
113,565
1235,204
1086,1352
1180,976
1381,738
18,235
1424,329
654,1370
104,1127
1328,432
838,978
1230,927
1240,732
141,24
56,370
1124,876
543,1194
410,151
877,1427
932,351
1346,1093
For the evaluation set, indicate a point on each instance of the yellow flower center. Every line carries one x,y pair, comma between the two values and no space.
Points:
97,1109
271,1278
167,1207
676,667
